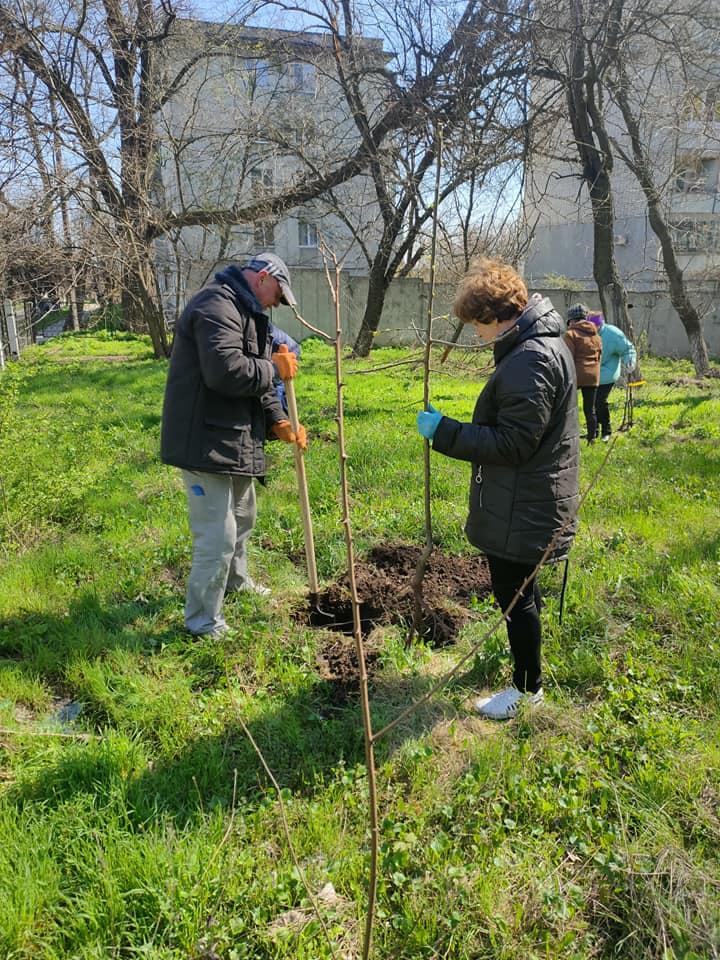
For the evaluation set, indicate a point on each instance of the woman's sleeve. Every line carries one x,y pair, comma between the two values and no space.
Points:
524,397
629,355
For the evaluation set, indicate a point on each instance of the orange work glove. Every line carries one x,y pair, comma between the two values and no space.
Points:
285,362
283,431
301,437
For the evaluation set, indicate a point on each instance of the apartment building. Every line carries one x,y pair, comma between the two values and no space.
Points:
681,124
254,110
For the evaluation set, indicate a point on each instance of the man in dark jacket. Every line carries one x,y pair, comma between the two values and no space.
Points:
220,406
523,444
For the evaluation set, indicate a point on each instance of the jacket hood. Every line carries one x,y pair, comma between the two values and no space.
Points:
232,277
585,327
538,319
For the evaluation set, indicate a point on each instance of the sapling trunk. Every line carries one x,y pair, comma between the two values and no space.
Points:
417,581
357,624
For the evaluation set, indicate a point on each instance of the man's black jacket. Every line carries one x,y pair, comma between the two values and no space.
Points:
219,398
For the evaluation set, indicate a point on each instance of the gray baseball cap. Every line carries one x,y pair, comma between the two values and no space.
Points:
578,311
272,264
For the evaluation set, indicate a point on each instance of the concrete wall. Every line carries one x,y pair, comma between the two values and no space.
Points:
657,326
405,308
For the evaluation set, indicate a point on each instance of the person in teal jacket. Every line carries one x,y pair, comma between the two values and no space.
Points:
616,351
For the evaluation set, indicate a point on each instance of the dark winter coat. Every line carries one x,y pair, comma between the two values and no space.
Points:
219,398
585,345
523,443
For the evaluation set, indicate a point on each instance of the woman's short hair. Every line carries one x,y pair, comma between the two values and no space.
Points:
491,290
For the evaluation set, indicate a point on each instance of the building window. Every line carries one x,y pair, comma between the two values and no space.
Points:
302,78
261,181
696,236
304,133
697,174
307,234
259,73
264,234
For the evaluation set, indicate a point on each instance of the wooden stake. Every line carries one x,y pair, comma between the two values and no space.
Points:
302,485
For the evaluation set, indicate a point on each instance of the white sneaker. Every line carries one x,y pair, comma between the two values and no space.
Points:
605,438
504,705
249,586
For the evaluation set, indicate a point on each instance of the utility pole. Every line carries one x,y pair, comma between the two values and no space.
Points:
60,176
12,329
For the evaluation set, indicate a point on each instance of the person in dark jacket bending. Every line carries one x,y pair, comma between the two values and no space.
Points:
523,444
585,345
220,406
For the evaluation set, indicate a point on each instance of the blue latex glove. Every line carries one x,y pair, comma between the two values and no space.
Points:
427,421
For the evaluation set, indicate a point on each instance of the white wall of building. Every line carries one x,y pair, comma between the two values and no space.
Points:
258,109
681,125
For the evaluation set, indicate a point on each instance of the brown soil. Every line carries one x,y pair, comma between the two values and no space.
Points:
385,595
693,381
338,665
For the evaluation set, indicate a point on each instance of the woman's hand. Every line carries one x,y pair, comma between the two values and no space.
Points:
427,421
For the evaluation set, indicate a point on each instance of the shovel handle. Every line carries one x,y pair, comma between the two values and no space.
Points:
302,486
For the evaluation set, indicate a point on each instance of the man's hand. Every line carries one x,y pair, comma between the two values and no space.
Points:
285,362
284,431
427,421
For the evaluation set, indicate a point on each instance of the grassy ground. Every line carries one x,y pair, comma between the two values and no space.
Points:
146,826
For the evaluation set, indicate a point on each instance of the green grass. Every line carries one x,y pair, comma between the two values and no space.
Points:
146,827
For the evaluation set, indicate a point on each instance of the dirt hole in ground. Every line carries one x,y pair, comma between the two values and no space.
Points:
385,594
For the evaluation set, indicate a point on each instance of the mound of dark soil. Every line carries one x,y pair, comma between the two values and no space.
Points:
338,665
385,596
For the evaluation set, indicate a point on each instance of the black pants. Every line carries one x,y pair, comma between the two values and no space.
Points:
602,409
523,625
588,399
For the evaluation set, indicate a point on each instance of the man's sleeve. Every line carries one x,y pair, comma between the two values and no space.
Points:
272,406
279,336
225,367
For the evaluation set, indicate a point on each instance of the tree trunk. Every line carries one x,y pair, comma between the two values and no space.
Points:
689,316
74,312
641,167
610,287
596,158
141,306
377,290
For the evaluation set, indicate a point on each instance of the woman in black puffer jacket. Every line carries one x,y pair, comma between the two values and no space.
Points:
523,444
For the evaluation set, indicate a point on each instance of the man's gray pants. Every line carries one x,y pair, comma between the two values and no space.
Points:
222,516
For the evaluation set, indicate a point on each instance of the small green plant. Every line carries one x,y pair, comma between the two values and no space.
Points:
556,281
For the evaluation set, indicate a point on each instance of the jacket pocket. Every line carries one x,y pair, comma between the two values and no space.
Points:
225,423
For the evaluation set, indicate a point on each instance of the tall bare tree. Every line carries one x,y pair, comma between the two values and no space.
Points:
472,104
102,63
573,39
671,58
629,69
